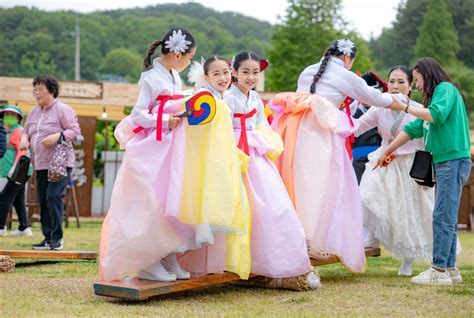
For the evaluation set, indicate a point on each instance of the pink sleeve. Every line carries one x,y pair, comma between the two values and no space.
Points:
69,124
367,121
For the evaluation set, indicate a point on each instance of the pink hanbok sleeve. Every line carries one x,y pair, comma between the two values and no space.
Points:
367,121
329,116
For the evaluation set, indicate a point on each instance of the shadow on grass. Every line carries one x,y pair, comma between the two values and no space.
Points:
36,263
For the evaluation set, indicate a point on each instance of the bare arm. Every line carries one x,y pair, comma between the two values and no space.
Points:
399,141
422,113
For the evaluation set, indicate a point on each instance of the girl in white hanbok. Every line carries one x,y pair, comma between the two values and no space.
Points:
315,166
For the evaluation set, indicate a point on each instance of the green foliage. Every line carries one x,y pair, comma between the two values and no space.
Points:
464,77
440,42
363,61
396,45
122,62
35,41
302,38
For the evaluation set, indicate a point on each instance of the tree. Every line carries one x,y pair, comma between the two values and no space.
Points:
300,40
396,45
308,29
438,37
123,62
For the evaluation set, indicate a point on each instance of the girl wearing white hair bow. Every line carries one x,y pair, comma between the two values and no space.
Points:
315,166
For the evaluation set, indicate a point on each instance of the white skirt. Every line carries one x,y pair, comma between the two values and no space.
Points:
399,211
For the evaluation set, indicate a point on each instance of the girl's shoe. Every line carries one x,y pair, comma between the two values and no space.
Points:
171,264
157,272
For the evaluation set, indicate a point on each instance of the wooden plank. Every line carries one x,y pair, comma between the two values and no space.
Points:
85,255
369,252
139,289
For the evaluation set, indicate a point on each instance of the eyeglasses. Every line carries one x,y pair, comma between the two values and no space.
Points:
40,89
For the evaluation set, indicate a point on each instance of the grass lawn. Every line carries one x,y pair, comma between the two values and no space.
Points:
58,289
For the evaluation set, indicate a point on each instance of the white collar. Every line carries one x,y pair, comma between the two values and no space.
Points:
336,60
240,95
214,91
160,68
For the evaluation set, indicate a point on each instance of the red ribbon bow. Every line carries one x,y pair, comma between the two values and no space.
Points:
159,119
243,142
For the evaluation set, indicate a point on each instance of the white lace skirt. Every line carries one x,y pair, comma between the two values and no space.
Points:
399,211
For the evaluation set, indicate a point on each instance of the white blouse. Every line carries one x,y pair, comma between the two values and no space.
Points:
241,104
154,82
337,83
389,123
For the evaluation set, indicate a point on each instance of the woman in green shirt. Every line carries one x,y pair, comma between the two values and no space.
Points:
443,125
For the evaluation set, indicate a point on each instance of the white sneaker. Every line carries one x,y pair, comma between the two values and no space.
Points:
432,277
25,232
171,264
405,268
157,272
455,275
3,232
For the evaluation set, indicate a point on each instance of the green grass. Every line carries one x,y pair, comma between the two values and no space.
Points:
59,289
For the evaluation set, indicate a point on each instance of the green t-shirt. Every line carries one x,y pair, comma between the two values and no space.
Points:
447,137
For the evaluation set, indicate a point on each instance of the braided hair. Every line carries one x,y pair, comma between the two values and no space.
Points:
333,50
152,47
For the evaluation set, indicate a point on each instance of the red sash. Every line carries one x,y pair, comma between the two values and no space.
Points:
243,142
159,119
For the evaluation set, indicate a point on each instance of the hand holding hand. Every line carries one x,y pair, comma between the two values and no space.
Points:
397,105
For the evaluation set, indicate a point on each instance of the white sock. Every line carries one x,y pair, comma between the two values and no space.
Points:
406,267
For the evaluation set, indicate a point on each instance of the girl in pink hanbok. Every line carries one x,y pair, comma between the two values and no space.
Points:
178,184
315,166
278,246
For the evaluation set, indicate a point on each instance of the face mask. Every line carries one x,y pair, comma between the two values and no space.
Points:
10,120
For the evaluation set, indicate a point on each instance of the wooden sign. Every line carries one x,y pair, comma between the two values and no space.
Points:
89,90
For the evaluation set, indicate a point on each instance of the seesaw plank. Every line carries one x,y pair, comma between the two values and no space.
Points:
85,255
138,289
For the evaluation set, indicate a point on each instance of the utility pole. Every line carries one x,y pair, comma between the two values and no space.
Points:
77,57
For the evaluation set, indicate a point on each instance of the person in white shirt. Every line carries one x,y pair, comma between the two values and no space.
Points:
322,183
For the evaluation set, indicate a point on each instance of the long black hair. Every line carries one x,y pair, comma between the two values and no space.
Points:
333,50
164,50
433,74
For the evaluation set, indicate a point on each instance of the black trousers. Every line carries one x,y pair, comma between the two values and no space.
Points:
359,167
13,193
50,197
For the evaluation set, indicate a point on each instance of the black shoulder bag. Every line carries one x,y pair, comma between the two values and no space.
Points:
422,170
